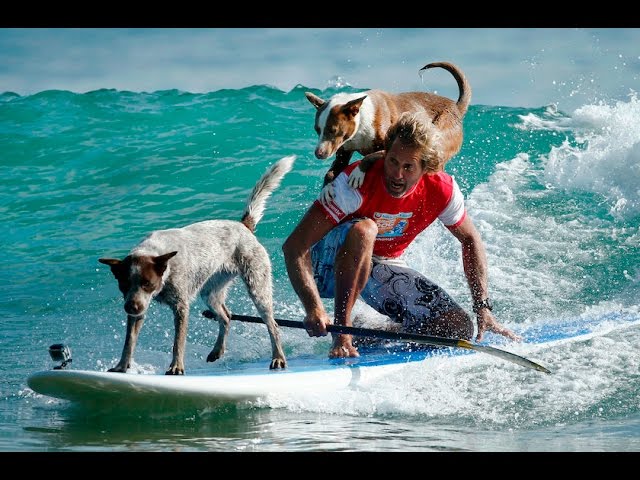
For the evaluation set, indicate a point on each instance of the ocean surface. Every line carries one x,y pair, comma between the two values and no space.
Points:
555,195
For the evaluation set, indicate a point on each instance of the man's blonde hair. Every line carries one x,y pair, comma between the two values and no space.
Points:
415,129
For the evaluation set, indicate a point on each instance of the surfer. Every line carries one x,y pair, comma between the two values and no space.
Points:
349,244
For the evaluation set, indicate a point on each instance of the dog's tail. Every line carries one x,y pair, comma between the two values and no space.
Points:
465,89
256,202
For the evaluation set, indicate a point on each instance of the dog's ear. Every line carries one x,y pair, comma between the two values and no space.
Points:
160,262
115,264
315,100
353,107
110,261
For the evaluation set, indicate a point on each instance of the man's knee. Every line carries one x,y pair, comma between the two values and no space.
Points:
363,231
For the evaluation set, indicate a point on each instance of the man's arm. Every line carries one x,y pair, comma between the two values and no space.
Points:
297,254
474,261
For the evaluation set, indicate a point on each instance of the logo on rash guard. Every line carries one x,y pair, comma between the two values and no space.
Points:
392,224
334,210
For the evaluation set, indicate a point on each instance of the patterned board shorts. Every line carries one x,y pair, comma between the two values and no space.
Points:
395,290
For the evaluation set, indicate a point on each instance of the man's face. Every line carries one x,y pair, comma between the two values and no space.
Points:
402,168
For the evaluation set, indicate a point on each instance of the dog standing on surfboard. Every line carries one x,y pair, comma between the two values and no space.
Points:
173,266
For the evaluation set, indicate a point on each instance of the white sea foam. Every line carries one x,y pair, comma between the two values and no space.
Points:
607,161
479,389
551,119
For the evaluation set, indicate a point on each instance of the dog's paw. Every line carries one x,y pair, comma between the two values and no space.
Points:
214,355
329,177
174,371
356,178
119,369
327,194
277,363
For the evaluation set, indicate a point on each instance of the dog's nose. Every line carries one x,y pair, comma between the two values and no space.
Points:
322,152
133,308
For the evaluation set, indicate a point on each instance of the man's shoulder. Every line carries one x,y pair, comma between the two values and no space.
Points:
441,182
440,177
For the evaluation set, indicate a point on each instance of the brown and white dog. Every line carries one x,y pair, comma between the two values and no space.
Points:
173,266
358,122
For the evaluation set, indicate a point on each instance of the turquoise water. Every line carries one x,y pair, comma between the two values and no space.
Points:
554,195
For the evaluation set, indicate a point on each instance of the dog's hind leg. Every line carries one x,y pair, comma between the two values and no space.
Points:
134,324
181,323
217,288
223,318
256,274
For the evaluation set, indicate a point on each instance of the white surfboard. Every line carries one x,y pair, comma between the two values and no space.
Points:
241,383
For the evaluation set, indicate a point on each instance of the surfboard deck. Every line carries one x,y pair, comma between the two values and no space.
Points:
243,382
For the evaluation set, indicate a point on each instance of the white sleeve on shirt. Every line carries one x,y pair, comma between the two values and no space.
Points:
454,210
346,199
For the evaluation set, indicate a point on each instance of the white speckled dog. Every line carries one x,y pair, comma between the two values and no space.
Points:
172,266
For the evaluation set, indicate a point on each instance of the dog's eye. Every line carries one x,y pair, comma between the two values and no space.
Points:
145,284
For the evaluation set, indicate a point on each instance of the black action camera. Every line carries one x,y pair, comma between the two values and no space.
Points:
60,353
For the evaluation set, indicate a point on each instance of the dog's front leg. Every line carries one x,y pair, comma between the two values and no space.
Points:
181,323
356,178
134,324
340,163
